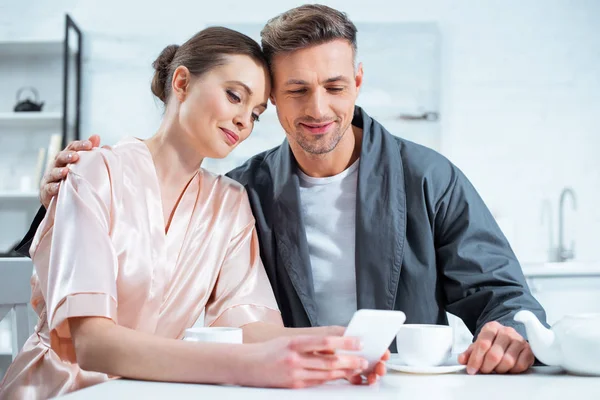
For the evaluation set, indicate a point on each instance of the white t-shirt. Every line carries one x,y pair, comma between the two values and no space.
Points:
329,211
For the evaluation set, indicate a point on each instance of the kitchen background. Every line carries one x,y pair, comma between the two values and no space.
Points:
507,90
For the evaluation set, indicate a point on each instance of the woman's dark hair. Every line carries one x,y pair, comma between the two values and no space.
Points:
202,52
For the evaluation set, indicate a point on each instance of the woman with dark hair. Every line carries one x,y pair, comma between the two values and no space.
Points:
140,240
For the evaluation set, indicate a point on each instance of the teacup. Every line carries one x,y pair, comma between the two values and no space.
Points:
424,345
214,334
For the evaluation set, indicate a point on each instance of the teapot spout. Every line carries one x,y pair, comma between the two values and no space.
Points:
542,340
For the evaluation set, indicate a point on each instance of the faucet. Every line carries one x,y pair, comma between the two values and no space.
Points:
547,214
565,254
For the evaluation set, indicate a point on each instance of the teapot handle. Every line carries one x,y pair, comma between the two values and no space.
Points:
31,89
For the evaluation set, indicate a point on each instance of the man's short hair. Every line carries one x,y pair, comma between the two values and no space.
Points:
305,26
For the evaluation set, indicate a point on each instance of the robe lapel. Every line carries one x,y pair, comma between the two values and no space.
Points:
290,234
380,216
180,223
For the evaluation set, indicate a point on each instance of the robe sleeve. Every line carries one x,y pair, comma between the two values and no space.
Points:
483,279
242,293
72,251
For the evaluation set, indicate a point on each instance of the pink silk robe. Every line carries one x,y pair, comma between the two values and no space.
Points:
102,251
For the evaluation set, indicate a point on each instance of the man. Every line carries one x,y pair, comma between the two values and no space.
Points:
351,217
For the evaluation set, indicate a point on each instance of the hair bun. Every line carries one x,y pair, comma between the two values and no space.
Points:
161,70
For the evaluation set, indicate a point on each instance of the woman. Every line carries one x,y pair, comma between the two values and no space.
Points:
140,240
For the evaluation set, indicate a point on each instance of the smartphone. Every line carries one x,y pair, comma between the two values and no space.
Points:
377,330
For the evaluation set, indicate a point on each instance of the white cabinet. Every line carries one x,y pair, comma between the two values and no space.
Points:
562,296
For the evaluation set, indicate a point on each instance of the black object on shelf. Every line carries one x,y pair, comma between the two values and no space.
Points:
28,104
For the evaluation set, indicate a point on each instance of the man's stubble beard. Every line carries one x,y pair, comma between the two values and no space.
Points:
323,145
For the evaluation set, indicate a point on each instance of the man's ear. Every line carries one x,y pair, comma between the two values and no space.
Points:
181,82
358,78
272,98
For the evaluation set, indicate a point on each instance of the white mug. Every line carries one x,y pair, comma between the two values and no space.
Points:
424,345
214,335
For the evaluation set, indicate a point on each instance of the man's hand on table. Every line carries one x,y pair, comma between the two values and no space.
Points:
499,349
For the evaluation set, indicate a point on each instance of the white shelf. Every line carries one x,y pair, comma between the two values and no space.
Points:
31,119
5,351
16,195
29,48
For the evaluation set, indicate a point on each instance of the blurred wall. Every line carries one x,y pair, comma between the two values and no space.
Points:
520,88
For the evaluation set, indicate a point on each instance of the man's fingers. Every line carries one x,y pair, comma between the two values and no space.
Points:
49,190
492,327
85,145
94,140
463,358
494,355
481,347
57,175
65,158
74,145
524,362
79,145
511,355
51,184
52,189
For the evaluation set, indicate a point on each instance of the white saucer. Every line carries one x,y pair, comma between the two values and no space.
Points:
449,366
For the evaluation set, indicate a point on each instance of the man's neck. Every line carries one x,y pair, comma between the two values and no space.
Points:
336,161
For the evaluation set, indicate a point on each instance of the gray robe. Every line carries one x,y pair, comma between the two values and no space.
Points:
425,241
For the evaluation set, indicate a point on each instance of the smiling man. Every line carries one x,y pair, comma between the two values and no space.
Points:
351,217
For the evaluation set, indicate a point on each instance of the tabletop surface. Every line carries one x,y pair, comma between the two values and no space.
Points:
538,383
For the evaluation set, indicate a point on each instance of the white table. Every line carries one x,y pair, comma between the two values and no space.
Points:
539,383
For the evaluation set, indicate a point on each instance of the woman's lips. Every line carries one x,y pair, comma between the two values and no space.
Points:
231,137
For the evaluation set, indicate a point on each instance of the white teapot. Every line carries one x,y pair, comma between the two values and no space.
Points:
573,343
